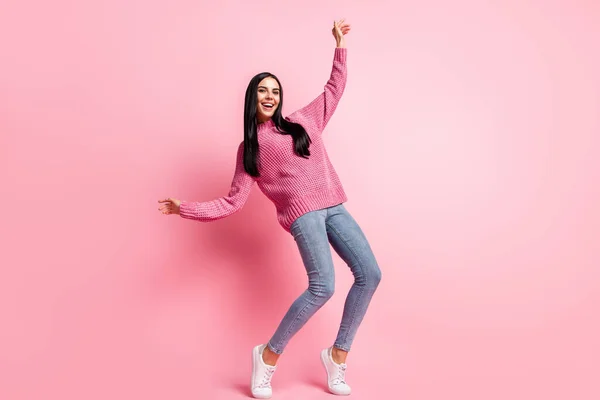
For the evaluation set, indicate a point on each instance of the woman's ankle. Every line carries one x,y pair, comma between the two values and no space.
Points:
269,357
338,355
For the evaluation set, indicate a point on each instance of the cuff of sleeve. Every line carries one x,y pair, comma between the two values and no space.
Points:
187,210
340,54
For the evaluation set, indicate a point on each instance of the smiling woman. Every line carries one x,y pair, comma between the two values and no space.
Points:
308,197
268,98
264,102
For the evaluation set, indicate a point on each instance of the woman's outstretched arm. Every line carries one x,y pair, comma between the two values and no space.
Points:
219,208
316,115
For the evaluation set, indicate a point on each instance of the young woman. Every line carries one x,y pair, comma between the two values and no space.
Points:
287,159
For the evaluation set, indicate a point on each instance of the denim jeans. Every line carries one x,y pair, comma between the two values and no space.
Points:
313,233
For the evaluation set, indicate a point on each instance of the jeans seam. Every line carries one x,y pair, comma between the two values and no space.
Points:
362,288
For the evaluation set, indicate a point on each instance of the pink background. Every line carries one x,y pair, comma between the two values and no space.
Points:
467,140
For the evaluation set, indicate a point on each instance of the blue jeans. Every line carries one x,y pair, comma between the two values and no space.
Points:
313,233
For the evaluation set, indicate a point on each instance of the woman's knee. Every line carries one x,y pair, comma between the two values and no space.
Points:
371,275
376,275
322,288
328,289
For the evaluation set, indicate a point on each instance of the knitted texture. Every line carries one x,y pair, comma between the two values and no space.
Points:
294,184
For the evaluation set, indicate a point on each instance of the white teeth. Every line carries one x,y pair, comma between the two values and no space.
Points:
268,105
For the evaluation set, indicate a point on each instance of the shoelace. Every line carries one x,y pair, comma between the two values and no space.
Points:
266,380
341,375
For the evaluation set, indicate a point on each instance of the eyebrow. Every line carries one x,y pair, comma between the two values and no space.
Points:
264,87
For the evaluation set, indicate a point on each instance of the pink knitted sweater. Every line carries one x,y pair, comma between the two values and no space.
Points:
294,184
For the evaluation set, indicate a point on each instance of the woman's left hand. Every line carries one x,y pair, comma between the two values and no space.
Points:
169,206
340,28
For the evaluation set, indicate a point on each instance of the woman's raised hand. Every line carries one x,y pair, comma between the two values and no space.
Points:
340,28
169,206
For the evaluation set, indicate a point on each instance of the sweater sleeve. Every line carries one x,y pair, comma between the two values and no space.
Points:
224,206
316,115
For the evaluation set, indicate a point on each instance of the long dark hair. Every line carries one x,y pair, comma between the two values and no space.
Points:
251,153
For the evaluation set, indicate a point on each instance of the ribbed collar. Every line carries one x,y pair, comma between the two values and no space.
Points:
266,125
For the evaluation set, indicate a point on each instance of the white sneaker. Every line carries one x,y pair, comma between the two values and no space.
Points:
336,374
261,374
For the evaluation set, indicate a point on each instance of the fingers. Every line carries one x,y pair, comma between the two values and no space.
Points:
165,210
168,200
340,23
166,206
342,27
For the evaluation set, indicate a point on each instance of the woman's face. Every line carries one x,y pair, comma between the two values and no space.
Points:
268,99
